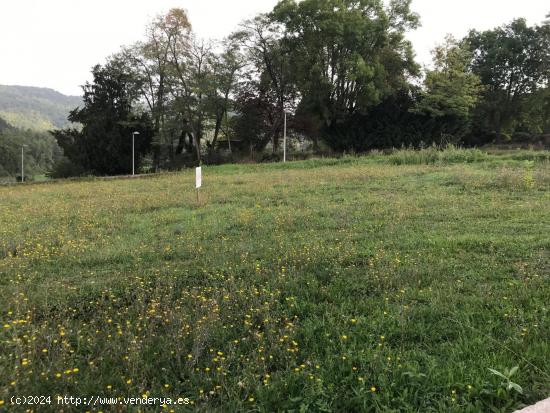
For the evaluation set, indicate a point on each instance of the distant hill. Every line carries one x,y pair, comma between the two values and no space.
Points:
36,108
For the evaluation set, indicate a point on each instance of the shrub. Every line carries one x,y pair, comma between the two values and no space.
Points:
436,155
64,168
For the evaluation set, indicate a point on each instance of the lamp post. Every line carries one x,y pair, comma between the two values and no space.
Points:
23,163
284,141
133,153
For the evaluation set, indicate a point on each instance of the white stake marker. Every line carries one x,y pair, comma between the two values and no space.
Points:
198,177
198,181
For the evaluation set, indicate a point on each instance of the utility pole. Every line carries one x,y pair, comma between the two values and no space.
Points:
23,163
284,141
133,153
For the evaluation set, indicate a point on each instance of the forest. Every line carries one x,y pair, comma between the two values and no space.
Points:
343,73
40,149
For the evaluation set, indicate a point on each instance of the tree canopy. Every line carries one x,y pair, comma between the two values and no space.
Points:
104,145
40,151
348,55
513,63
342,70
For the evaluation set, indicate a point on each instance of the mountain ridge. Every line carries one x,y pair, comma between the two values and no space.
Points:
36,108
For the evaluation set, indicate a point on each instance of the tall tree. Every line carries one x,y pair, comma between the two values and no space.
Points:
40,148
152,61
451,89
513,62
271,74
535,114
190,81
104,145
185,85
348,54
224,80
251,124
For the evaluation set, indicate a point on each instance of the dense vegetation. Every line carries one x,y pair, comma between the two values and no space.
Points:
27,114
34,108
41,151
344,72
360,284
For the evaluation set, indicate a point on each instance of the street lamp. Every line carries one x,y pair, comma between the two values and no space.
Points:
284,141
133,153
23,163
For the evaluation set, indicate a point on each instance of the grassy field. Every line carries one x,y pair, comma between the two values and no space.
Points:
362,284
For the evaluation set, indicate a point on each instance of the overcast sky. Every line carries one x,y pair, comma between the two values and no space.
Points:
54,43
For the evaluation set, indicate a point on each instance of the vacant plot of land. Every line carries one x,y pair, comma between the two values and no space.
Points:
350,285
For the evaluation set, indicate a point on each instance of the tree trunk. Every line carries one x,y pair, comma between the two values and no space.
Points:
156,145
197,143
227,134
276,140
157,125
181,143
217,129
498,122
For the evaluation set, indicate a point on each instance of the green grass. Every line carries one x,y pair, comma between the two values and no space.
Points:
434,155
324,285
452,154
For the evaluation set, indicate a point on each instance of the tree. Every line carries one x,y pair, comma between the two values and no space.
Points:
184,84
152,63
535,114
391,123
451,89
104,145
224,78
189,85
513,62
251,124
41,151
348,54
271,73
